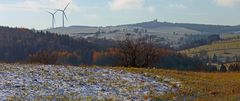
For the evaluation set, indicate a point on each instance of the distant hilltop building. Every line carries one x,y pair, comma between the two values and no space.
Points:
155,20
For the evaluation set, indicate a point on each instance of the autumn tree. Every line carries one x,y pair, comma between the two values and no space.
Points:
53,57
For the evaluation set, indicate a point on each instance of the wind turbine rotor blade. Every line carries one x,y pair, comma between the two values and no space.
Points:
66,6
65,16
58,10
55,11
49,12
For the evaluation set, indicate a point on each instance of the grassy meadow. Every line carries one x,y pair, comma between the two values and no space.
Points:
194,86
221,48
198,86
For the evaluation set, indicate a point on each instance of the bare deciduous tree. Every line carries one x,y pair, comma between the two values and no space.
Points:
138,52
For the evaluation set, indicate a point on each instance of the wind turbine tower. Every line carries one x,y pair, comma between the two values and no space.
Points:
64,16
53,18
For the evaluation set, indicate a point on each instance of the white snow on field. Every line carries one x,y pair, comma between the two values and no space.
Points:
30,82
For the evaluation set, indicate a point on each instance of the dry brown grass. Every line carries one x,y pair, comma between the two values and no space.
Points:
198,85
195,86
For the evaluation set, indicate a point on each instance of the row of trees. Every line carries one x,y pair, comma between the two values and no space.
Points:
234,67
54,57
142,52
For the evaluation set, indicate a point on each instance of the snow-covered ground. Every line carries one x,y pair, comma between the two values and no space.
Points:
30,82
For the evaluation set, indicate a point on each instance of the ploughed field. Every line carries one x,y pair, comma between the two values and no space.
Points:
53,82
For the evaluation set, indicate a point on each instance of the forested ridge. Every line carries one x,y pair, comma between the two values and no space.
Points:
19,44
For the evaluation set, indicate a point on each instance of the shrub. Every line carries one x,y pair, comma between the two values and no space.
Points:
223,68
181,62
211,68
234,67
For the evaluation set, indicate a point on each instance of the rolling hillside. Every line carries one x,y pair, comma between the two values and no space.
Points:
228,49
174,35
204,28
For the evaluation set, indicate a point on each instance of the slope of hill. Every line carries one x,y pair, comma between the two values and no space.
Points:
51,82
74,29
18,44
174,35
159,27
226,51
197,86
162,34
204,28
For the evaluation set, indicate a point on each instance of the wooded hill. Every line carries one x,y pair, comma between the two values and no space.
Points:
19,44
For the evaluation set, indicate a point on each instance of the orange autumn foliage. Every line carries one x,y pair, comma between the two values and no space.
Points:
109,52
116,52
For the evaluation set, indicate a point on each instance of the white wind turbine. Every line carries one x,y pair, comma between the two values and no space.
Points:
53,17
64,16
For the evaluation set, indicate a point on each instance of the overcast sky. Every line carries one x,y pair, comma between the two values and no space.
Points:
32,13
